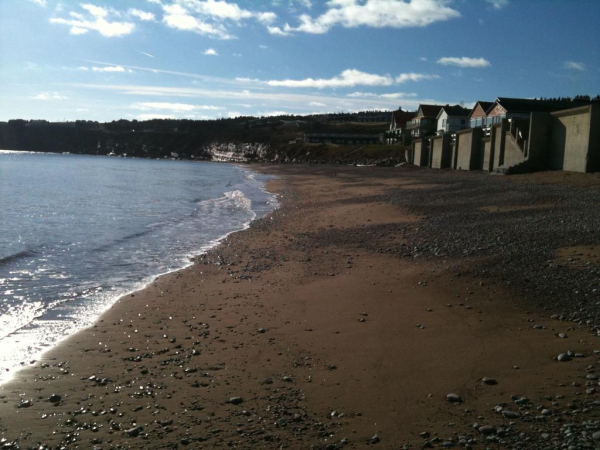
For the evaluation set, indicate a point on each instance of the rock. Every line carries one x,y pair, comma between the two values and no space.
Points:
54,398
454,398
134,432
511,414
236,400
487,430
563,357
489,381
596,436
374,440
24,404
262,330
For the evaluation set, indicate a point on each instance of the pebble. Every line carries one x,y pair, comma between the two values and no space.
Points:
454,398
489,381
487,430
375,439
236,400
134,432
563,357
54,398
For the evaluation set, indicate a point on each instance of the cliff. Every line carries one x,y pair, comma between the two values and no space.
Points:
226,140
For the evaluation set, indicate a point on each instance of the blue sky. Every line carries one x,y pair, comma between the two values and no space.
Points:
138,59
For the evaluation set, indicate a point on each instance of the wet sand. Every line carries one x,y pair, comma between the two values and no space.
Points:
312,329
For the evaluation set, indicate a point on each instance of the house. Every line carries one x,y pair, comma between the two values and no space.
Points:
396,134
479,114
521,108
451,119
425,122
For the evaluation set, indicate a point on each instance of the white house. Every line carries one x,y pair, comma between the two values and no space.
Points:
451,119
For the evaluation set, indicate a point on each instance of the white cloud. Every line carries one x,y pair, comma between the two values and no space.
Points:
260,100
273,113
248,80
361,94
278,31
174,107
207,17
375,13
404,77
572,65
120,69
422,58
393,95
464,62
397,95
348,78
49,96
78,30
177,17
317,104
145,54
154,116
142,15
96,20
497,4
40,2
234,114
211,52
263,47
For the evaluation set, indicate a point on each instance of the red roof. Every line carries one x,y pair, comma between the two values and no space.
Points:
400,117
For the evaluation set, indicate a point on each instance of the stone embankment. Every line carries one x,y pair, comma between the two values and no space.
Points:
230,152
300,154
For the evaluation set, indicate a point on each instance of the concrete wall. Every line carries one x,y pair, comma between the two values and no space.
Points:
537,142
498,146
441,154
486,143
594,152
421,152
468,149
572,144
513,154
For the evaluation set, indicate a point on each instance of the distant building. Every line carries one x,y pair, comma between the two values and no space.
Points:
425,122
478,114
451,119
397,131
342,139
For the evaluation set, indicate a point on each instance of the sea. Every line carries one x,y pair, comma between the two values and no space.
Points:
78,232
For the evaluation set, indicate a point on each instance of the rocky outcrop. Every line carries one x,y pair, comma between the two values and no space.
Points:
229,152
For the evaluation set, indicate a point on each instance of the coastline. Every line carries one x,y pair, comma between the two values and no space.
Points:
312,318
92,312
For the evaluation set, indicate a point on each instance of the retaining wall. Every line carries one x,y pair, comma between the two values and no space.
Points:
468,148
441,154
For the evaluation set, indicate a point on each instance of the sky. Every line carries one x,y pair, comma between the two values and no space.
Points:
107,60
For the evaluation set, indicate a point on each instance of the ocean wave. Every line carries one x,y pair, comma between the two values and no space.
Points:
16,256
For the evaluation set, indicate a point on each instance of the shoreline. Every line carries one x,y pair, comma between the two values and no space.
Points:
322,326
10,374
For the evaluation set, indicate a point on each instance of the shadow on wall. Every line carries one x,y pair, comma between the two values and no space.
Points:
559,143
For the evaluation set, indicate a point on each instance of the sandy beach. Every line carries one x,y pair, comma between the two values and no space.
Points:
345,319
